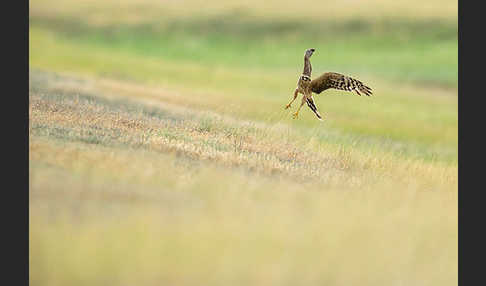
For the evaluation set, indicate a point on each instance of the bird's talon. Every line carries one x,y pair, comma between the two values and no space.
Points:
287,106
295,115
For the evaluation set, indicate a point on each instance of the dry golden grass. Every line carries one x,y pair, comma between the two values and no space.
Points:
200,135
140,191
117,216
146,11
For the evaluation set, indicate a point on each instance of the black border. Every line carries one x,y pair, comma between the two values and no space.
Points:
15,113
471,145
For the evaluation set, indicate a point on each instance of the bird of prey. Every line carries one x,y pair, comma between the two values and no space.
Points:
306,86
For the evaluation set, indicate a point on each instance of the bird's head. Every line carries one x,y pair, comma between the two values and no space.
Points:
309,53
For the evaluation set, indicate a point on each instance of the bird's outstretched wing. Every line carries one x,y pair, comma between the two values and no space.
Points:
312,106
338,81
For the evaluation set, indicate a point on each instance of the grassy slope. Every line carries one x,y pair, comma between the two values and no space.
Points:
142,203
400,110
182,165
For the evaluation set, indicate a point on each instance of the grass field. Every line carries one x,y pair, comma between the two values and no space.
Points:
160,152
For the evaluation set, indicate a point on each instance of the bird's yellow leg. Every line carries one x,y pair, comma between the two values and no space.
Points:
296,92
296,114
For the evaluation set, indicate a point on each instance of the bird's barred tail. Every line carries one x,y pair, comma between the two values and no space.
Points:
351,84
313,107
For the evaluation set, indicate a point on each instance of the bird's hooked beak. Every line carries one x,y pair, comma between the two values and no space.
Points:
309,52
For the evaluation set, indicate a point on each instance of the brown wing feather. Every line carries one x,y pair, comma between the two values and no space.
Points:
338,81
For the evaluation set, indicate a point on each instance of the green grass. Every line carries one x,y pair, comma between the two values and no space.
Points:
160,152
420,52
258,95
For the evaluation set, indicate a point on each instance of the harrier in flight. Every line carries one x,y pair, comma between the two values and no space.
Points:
306,86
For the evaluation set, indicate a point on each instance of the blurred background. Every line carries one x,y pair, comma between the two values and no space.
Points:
160,152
